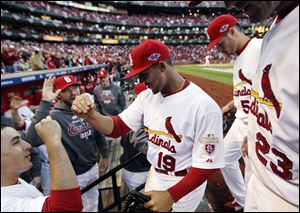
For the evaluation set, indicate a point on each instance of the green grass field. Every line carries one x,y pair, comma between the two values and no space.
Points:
212,72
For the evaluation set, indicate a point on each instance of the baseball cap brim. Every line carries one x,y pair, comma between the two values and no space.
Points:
193,3
214,42
135,72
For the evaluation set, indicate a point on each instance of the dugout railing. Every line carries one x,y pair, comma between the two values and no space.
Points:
116,190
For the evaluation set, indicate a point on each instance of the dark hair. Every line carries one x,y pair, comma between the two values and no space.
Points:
167,60
238,27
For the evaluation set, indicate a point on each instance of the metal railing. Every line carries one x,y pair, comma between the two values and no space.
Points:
116,191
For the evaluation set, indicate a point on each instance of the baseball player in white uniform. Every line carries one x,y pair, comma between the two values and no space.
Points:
224,32
19,196
207,61
184,127
273,139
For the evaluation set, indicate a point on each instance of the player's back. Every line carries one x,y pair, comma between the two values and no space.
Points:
274,118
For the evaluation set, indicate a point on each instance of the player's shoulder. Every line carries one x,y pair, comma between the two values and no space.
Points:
145,95
256,43
252,47
97,88
201,99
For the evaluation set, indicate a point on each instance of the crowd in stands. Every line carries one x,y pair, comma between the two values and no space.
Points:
177,3
32,56
163,19
105,29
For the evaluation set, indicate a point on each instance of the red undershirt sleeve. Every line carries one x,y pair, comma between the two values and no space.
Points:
68,200
190,182
120,128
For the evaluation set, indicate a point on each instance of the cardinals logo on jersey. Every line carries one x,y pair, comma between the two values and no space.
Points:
267,89
243,78
210,148
171,130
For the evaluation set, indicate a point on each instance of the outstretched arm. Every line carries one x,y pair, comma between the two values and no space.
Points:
228,107
48,95
15,104
84,107
65,193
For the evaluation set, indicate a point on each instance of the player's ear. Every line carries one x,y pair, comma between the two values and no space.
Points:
232,31
162,65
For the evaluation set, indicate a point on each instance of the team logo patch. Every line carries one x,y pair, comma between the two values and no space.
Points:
224,28
209,139
154,57
67,79
210,148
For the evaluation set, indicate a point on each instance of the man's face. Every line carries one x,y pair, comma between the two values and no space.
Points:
15,155
104,81
153,78
227,44
256,10
69,94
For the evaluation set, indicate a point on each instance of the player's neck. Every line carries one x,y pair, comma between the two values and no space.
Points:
8,179
176,83
243,42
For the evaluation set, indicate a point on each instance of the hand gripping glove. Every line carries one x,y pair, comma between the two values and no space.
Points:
135,202
228,119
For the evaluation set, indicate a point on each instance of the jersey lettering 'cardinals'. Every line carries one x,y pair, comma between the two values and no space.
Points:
266,87
170,129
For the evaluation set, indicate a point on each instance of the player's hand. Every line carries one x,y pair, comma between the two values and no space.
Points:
245,147
15,102
161,201
83,105
49,130
47,93
103,166
225,109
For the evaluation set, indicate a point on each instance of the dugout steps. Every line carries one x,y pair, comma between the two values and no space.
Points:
110,185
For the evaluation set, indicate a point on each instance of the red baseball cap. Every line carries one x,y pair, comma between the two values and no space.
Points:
145,55
65,81
218,27
102,74
138,88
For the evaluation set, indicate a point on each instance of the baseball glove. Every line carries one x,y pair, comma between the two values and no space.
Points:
228,119
134,202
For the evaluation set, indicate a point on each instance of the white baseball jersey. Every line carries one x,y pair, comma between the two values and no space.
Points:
184,129
274,112
243,71
21,197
